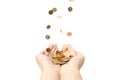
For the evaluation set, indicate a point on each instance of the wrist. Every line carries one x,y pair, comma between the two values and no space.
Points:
50,69
50,74
71,74
68,69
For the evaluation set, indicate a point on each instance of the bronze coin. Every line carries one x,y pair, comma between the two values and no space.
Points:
57,52
48,26
47,36
70,9
69,33
70,56
48,50
50,12
54,9
62,55
59,17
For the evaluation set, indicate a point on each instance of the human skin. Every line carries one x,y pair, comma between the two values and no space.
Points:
49,70
70,70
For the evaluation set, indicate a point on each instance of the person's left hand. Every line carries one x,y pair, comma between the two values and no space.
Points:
44,62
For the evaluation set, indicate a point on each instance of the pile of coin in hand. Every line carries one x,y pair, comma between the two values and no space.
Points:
59,58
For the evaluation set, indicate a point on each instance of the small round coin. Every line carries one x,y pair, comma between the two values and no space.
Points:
54,9
70,9
69,33
59,17
50,12
48,27
47,36
48,50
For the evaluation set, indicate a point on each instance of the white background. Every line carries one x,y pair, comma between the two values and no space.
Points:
95,25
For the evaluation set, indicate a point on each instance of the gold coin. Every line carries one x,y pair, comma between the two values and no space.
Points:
62,55
69,33
54,9
59,17
70,56
61,63
48,27
65,59
48,50
70,9
50,12
54,56
47,36
55,61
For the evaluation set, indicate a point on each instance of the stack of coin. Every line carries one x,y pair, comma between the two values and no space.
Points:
60,58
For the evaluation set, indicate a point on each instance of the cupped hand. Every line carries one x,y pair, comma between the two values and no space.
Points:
43,59
75,62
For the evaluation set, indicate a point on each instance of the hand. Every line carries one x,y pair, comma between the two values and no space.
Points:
75,62
44,62
70,70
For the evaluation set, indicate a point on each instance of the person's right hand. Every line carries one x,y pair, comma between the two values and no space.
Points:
75,62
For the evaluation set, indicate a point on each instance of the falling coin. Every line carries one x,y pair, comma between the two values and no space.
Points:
50,12
48,27
61,30
47,36
59,17
69,33
54,9
48,50
70,9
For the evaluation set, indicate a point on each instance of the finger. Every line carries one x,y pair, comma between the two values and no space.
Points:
53,49
65,51
54,52
64,47
71,50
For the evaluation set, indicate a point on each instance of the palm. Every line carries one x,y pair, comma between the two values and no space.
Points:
43,59
76,61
